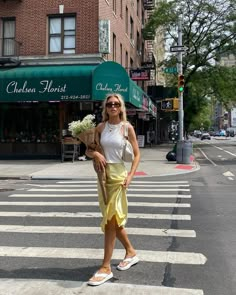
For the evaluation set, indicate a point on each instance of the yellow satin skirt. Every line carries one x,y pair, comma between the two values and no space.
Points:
117,204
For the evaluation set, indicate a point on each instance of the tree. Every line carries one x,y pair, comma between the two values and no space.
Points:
209,30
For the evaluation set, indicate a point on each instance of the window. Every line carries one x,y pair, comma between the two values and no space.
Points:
62,34
126,21
126,61
121,54
138,43
8,41
121,8
131,30
114,6
138,7
131,63
114,47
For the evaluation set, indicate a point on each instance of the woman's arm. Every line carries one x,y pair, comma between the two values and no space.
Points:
96,155
136,160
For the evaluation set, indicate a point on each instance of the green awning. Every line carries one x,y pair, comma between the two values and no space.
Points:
46,83
110,77
70,83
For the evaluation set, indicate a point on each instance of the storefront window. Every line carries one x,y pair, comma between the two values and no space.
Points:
29,122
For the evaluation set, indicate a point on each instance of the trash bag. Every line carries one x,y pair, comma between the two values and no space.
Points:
171,156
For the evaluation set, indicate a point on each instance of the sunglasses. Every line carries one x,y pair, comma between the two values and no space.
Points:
113,104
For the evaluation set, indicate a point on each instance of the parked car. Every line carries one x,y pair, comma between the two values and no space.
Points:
222,132
205,135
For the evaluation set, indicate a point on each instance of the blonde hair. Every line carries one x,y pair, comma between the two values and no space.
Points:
105,116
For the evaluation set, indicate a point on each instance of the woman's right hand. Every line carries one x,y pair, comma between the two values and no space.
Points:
99,161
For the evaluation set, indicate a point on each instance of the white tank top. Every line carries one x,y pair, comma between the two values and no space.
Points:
112,142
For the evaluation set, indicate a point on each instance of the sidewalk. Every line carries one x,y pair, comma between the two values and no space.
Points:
153,163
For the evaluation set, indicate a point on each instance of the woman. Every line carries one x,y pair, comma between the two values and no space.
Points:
110,133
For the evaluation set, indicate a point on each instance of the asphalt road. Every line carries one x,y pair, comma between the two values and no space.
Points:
183,228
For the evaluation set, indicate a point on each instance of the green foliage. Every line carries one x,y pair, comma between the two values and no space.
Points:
209,31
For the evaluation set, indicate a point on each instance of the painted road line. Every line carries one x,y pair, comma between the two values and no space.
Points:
95,189
225,151
133,181
94,215
95,195
67,204
63,287
95,185
92,253
213,163
96,230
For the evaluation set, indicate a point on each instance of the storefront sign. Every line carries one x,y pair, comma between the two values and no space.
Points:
112,88
51,83
140,74
145,103
104,36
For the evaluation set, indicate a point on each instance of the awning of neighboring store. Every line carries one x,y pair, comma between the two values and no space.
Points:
46,83
111,77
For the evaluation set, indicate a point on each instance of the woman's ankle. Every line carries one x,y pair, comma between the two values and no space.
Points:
106,268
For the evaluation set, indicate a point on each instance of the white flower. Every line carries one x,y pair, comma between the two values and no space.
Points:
77,127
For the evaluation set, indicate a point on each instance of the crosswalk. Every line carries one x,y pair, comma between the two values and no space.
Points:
70,209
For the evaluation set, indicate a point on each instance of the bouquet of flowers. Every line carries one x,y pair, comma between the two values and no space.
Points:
85,131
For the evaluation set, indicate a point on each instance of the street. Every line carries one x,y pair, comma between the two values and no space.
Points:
182,227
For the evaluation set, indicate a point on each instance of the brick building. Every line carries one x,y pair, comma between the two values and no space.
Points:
58,60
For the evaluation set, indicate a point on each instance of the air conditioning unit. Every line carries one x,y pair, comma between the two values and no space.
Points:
132,41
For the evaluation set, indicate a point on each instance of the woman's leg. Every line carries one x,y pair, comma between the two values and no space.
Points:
109,240
121,234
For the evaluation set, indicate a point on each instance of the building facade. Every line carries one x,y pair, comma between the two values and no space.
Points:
58,60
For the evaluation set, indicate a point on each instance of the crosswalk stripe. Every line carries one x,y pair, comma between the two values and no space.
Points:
96,230
88,253
95,185
94,215
95,195
67,204
133,181
95,189
63,287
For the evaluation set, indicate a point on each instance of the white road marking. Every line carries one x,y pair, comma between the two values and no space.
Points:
230,178
213,163
134,181
94,215
225,151
90,253
95,189
62,287
67,204
228,173
95,185
89,195
96,230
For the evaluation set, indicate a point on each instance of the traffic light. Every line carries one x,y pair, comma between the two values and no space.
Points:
170,104
181,83
167,104
175,104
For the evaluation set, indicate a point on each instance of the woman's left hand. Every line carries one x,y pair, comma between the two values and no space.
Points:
127,181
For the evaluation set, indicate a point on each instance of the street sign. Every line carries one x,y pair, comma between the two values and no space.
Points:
178,48
170,70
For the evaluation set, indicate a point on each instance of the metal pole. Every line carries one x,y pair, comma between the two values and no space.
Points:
180,72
